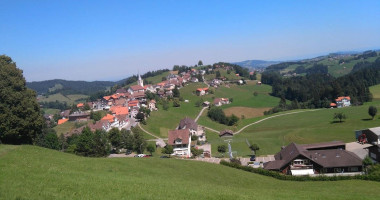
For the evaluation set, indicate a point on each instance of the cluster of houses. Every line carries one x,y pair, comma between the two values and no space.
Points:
341,102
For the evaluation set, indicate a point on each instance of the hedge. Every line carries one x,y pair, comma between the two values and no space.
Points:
280,176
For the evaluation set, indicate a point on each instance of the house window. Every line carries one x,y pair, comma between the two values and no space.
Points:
337,170
354,169
373,155
324,170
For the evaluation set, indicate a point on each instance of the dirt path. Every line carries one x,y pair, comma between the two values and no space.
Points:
237,132
200,113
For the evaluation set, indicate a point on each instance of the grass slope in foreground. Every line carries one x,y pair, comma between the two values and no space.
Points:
28,172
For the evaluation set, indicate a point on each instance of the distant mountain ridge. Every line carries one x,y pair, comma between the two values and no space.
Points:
255,64
70,87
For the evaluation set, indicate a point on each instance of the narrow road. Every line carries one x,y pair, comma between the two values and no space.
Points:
271,118
200,113
211,129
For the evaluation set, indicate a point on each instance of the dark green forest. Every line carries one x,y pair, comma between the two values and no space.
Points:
317,88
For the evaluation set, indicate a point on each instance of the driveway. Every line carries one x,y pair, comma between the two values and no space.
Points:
264,159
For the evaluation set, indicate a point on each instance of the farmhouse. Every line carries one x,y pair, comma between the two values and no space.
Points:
221,101
194,128
310,159
79,116
226,133
343,102
372,137
180,140
202,91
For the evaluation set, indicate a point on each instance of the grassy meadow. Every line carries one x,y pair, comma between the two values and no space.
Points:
69,99
29,172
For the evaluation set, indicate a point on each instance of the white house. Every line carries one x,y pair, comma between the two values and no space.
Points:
194,128
221,101
343,102
181,141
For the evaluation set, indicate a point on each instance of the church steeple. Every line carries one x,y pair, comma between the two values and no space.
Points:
140,82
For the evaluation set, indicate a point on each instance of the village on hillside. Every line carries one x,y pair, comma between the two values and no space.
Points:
129,106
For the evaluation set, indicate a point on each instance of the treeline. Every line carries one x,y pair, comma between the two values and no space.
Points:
314,90
55,104
315,69
69,87
217,114
243,72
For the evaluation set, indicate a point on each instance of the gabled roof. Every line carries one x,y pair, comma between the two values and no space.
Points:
226,133
109,118
202,89
182,134
324,158
188,123
341,98
99,125
121,90
136,87
107,97
122,117
375,130
80,105
119,110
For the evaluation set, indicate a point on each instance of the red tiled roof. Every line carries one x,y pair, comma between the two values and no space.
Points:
80,105
332,104
119,110
183,134
61,121
136,87
107,97
108,117
341,98
202,89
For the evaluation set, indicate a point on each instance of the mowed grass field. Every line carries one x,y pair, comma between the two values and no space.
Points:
69,99
29,172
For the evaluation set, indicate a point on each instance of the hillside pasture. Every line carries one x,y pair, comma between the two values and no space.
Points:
24,175
69,99
247,112
375,90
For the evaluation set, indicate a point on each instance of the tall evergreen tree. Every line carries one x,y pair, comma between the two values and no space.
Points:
20,117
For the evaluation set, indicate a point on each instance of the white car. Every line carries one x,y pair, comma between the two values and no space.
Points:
141,155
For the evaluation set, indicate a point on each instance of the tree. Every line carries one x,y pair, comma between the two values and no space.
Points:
62,142
196,152
372,110
85,144
254,147
341,116
168,149
255,93
48,139
115,138
140,116
139,141
20,116
101,146
200,63
217,74
86,106
176,103
176,92
96,116
165,105
222,149
151,148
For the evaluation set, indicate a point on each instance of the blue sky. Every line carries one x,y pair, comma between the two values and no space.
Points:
110,40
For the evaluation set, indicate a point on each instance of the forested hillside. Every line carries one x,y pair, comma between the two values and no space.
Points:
318,88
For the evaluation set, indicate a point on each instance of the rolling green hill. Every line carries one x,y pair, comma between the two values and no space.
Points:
29,172
338,64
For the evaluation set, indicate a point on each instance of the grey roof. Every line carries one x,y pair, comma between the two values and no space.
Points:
375,130
189,123
325,158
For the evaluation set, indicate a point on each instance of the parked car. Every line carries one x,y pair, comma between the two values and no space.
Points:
253,158
147,156
164,156
140,155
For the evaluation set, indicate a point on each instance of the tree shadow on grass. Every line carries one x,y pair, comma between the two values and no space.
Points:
336,122
370,119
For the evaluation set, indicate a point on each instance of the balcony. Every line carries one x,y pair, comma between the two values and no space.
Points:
297,167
